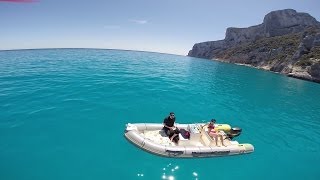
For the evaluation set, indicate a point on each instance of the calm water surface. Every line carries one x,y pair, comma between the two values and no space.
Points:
63,113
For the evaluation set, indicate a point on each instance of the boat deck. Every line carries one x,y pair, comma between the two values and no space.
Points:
159,137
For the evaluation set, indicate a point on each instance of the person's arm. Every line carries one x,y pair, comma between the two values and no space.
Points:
174,123
173,126
164,123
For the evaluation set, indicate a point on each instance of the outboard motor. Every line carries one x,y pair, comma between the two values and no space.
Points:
234,132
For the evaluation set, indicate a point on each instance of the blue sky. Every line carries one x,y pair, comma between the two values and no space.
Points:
168,26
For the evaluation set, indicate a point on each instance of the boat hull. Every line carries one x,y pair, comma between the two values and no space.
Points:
199,144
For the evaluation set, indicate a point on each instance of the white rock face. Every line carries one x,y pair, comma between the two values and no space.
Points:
205,49
240,35
275,23
287,21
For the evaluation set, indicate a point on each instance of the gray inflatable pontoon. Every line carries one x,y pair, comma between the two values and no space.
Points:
150,137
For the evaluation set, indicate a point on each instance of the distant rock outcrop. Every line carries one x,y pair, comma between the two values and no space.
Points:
287,42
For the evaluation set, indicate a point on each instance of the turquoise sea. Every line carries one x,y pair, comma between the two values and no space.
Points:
63,113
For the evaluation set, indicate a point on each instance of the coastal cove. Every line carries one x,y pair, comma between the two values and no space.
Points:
63,114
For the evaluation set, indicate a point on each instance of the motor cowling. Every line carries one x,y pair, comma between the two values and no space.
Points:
234,132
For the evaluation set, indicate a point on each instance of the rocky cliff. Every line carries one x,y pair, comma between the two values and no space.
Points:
287,42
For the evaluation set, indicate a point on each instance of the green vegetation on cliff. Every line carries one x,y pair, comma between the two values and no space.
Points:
275,50
310,58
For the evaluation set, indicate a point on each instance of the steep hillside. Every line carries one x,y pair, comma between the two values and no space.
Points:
286,42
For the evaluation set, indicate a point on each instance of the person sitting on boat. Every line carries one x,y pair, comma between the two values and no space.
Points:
213,133
170,129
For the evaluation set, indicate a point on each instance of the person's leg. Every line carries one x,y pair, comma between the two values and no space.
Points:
214,135
215,138
177,131
222,142
173,138
171,132
167,131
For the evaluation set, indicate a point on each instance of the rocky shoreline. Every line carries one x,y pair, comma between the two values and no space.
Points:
287,42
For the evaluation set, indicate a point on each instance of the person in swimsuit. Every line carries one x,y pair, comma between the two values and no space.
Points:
213,133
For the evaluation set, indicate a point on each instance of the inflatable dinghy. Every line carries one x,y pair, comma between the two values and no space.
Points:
151,138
